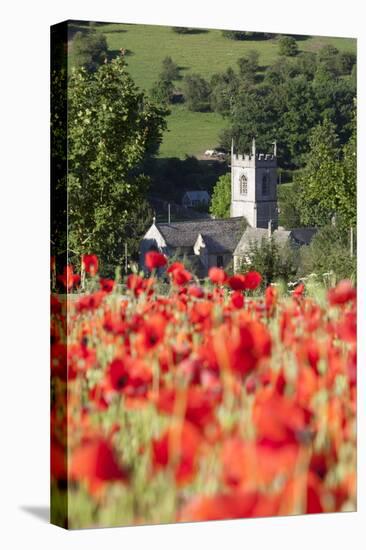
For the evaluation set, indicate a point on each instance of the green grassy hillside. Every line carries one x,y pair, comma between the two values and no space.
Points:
206,53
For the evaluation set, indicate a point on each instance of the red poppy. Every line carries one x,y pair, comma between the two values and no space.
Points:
130,376
152,331
217,275
135,283
175,266
154,260
94,463
270,298
196,291
181,276
230,506
68,278
252,280
90,263
299,290
237,299
179,447
237,282
281,420
107,285
344,292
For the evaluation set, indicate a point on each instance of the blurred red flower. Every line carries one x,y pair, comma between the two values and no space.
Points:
90,263
154,260
217,275
344,292
94,463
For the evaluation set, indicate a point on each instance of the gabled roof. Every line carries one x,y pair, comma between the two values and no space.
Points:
220,236
197,195
300,236
303,235
254,235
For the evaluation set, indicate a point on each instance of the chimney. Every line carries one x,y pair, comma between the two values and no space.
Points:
270,229
253,147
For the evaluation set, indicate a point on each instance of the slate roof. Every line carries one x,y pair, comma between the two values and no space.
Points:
255,235
303,235
197,195
220,236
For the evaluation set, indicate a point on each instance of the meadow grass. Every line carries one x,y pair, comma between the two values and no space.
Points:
206,52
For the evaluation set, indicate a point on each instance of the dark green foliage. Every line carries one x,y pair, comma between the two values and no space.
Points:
196,93
234,35
189,173
329,251
285,102
221,197
287,46
185,30
170,70
112,128
272,260
162,91
248,66
326,187
305,64
335,101
90,49
224,87
289,214
246,35
346,62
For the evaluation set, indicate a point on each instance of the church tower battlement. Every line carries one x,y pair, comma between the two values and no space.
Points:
254,187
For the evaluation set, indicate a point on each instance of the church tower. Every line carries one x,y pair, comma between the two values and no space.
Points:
254,187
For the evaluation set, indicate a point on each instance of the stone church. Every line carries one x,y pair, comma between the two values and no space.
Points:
224,242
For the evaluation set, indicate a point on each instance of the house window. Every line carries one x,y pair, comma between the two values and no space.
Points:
220,261
243,184
265,185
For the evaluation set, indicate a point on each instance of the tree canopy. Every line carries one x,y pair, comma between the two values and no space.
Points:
221,197
326,187
89,49
112,128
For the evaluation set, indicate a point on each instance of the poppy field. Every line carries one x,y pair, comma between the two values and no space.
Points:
214,400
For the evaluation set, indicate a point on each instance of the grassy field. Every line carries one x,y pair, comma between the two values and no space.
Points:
206,53
190,133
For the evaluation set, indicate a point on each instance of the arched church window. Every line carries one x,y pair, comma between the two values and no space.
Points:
243,184
265,185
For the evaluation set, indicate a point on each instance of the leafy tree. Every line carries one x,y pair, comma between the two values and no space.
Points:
290,214
305,64
328,59
288,46
162,91
329,251
272,260
335,100
346,62
347,190
224,88
248,66
90,49
221,197
327,184
170,70
196,93
280,72
112,128
298,114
